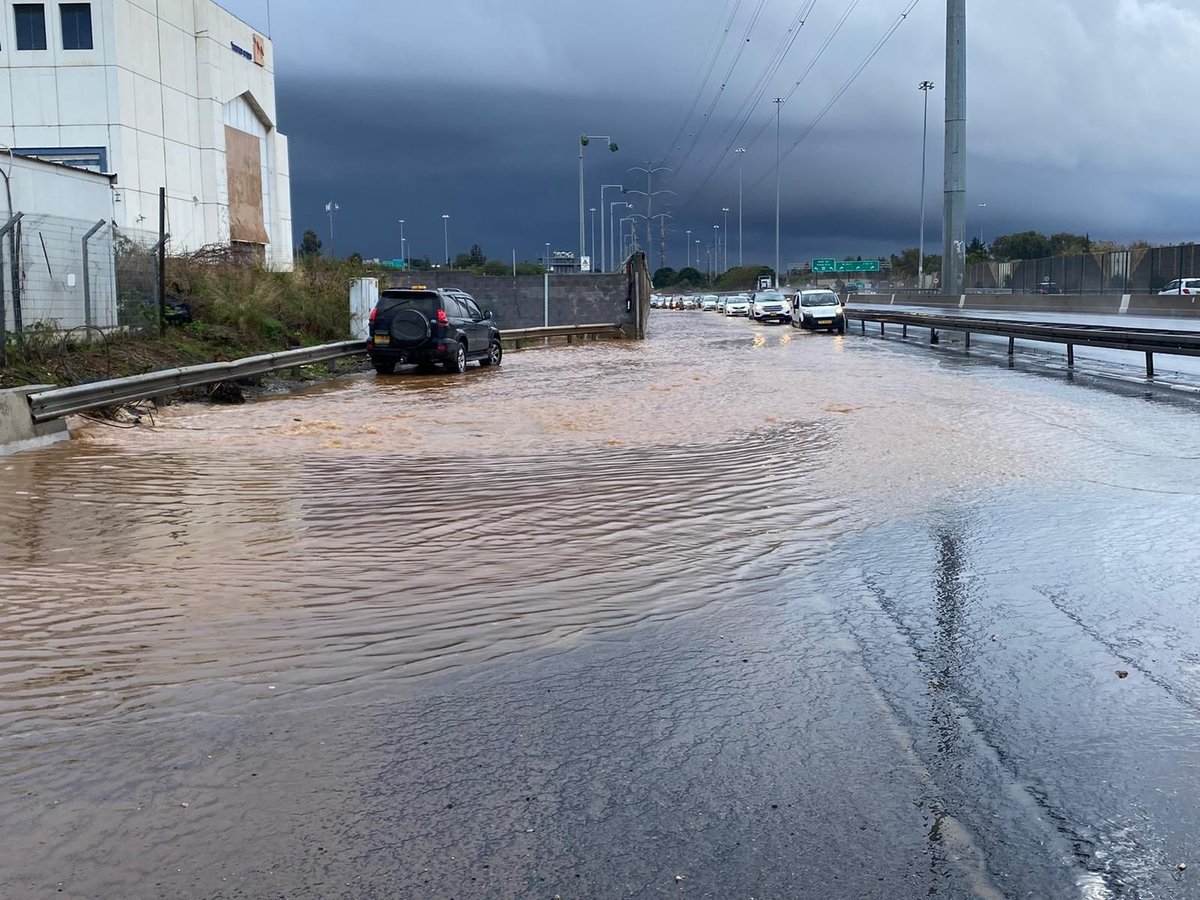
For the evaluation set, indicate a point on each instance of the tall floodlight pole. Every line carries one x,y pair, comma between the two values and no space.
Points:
689,247
925,87
954,216
778,185
982,207
741,155
331,208
610,250
446,236
725,232
584,140
402,256
716,248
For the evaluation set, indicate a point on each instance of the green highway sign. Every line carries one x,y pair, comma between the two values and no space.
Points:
834,266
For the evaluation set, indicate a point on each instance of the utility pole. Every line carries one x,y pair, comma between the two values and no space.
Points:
954,216
650,169
778,184
593,260
662,238
689,247
331,208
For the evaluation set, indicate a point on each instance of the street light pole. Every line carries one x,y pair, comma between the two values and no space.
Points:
446,236
593,261
925,87
612,216
547,256
689,247
778,186
584,140
725,232
403,258
982,206
716,248
741,155
611,250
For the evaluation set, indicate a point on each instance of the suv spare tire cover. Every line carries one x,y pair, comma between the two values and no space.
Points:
409,327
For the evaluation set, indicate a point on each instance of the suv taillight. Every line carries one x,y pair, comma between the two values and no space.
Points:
374,315
442,318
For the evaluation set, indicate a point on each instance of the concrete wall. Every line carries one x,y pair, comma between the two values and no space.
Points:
1110,304
17,430
519,302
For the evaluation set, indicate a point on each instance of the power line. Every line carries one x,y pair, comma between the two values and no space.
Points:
759,89
719,38
724,157
721,90
895,26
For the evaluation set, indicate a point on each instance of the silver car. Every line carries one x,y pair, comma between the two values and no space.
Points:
770,306
737,305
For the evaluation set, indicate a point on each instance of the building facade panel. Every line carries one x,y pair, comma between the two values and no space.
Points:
152,99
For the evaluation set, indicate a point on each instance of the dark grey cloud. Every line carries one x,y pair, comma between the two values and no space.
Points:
473,107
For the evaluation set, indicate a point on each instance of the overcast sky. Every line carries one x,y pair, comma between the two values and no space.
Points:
1080,118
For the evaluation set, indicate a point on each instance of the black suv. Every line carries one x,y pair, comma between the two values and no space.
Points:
425,326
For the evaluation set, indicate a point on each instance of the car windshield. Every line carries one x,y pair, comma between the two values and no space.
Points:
819,300
770,298
424,302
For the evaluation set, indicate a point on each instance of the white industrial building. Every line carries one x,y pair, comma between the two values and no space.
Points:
160,93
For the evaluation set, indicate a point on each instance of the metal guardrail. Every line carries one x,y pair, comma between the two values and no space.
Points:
1140,340
49,405
517,336
54,404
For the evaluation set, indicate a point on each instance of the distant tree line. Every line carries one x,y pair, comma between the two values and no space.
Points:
739,278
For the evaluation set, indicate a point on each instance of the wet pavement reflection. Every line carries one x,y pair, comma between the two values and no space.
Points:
737,611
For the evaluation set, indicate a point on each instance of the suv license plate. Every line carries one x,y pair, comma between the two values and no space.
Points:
383,339
825,321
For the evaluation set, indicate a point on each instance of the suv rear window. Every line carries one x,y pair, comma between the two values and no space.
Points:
425,302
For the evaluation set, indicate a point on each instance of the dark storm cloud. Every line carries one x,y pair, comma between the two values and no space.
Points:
473,107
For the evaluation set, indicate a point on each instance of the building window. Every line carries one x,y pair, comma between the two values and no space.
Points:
31,25
77,26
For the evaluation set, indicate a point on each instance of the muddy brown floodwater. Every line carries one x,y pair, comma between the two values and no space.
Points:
733,612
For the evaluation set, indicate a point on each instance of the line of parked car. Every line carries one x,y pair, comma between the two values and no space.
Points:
815,310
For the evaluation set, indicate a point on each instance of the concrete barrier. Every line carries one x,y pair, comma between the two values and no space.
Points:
17,428
1102,304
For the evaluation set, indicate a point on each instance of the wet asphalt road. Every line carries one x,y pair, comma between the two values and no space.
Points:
734,613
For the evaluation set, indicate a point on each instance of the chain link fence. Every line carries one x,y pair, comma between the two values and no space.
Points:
135,255
1140,271
58,273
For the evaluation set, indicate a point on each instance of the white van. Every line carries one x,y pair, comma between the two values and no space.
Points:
818,310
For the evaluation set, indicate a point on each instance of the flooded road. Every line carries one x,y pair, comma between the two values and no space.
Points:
735,612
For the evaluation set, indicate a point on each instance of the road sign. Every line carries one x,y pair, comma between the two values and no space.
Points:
834,266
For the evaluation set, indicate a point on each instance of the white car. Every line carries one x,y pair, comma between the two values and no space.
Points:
708,302
818,310
737,305
689,303
770,306
1185,286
